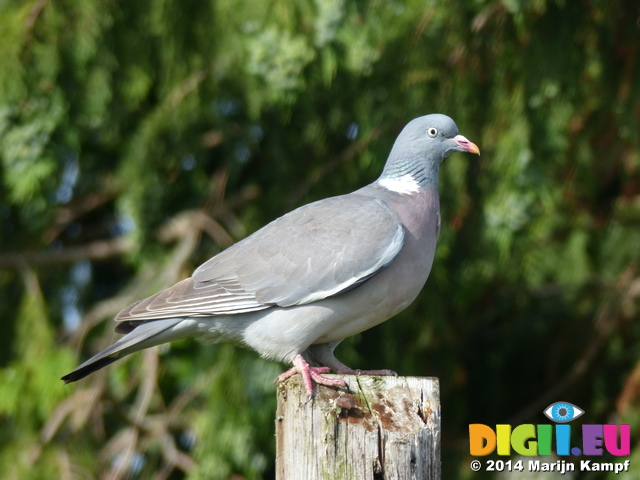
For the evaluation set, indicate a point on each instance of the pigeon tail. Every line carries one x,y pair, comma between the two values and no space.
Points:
145,335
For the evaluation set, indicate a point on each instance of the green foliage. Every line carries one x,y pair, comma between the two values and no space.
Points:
230,425
26,390
143,137
28,397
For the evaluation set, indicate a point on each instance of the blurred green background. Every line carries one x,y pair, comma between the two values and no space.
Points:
137,139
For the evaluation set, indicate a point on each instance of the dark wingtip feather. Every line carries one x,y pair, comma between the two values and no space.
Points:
84,370
125,327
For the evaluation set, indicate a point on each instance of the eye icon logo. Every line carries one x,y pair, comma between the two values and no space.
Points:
563,412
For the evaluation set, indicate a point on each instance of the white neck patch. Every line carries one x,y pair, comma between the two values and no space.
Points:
403,185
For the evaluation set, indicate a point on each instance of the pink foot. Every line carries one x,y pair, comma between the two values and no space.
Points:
310,375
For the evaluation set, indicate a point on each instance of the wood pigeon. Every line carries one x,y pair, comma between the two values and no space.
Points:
296,288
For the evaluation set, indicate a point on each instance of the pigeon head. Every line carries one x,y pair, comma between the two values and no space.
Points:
435,137
420,148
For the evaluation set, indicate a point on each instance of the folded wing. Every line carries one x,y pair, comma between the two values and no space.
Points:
317,251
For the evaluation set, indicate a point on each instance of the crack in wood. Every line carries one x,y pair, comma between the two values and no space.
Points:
386,428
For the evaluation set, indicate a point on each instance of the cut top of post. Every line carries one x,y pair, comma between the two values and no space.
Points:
383,428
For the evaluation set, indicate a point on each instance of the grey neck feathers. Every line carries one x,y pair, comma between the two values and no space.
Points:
423,170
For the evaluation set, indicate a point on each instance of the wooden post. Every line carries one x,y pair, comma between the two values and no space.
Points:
384,428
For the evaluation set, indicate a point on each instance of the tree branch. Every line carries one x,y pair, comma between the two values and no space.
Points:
93,251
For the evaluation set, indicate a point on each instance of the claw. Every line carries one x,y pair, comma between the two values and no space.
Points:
310,374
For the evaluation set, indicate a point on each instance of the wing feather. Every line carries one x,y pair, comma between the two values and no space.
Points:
317,251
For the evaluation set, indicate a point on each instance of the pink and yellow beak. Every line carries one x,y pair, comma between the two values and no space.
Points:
465,145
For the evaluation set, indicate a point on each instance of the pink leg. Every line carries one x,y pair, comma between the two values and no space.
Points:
310,375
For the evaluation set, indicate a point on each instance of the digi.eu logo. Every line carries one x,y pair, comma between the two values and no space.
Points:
533,440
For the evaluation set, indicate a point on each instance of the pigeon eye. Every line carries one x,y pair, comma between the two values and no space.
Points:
432,131
562,412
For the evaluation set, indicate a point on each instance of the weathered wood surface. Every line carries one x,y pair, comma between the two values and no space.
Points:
384,428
